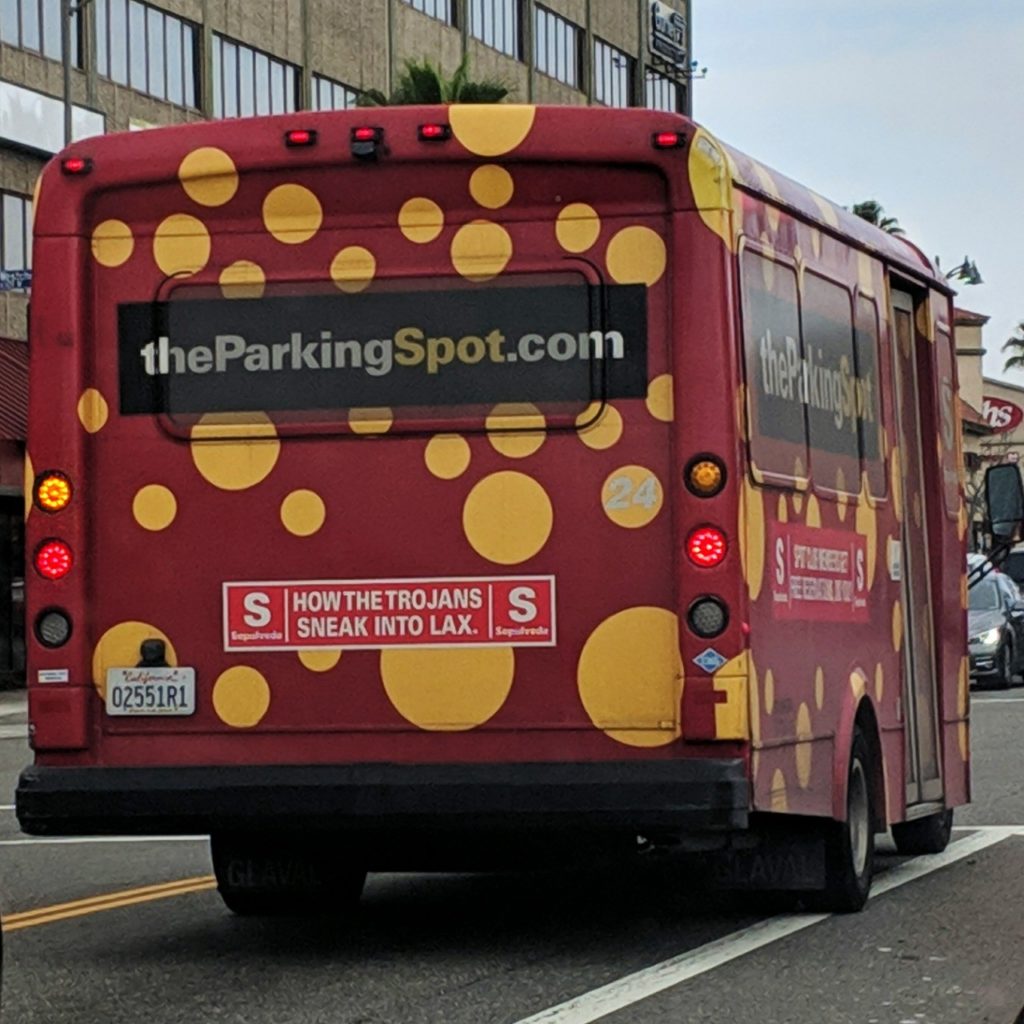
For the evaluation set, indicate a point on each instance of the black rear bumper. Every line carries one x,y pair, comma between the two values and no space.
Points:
696,795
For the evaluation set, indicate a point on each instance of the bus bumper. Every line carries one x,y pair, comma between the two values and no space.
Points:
684,796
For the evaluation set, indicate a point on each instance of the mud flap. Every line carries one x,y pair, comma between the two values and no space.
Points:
790,858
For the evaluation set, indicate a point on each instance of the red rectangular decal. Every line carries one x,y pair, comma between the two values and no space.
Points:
818,574
505,611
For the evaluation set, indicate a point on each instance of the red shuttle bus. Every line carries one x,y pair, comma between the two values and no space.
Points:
411,486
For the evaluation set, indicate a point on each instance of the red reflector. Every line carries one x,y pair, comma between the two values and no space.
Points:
300,137
706,546
53,559
365,134
668,140
435,132
76,165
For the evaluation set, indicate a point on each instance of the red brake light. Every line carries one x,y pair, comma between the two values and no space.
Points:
706,546
300,137
669,140
53,559
76,165
434,132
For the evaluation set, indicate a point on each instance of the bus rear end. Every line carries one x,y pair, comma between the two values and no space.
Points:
380,513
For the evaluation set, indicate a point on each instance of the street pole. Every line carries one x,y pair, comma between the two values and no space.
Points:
65,51
689,57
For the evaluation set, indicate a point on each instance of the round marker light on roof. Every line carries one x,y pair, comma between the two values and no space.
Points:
668,140
434,132
53,492
53,559
706,546
705,476
76,165
300,137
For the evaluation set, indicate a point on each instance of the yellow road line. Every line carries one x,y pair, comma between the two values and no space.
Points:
108,901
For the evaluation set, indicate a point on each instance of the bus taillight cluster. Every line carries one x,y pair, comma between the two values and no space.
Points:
707,545
54,558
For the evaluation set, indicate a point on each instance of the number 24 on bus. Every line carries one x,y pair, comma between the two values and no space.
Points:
669,545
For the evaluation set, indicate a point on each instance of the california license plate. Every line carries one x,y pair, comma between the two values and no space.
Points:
151,691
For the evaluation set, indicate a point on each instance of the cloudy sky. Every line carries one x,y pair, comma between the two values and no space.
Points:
916,103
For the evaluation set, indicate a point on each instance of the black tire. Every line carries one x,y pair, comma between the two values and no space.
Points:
924,835
1004,677
277,876
850,844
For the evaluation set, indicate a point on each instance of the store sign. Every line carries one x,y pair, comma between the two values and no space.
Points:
1001,415
668,34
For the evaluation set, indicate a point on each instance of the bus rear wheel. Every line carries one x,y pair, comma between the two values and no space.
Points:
259,875
924,835
850,844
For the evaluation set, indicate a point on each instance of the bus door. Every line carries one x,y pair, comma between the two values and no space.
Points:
920,687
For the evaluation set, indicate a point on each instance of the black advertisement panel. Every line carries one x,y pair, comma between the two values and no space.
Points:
545,343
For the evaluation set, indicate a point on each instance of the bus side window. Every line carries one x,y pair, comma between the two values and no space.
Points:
871,427
774,363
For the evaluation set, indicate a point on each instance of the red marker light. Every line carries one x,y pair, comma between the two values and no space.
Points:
300,137
76,165
434,132
706,546
53,559
366,133
668,140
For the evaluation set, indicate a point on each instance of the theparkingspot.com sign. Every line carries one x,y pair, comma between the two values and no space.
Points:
505,611
418,349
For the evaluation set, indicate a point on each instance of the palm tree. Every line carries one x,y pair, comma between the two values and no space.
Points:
1016,345
423,82
871,211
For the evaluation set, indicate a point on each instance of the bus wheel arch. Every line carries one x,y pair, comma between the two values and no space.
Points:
859,716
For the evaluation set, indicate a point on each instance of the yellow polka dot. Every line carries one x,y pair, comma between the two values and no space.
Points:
242,279
577,227
507,517
782,512
779,800
292,214
319,661
865,274
93,410
181,245
866,524
660,402
769,692
154,507
819,687
963,740
751,532
491,186
798,503
858,684
842,506
964,597
241,697
303,513
816,243
896,476
490,129
879,683
813,512
112,243
827,210
420,220
516,430
28,485
599,426
370,421
804,747
640,645
481,250
963,692
448,690
353,268
632,496
711,179
209,176
897,626
234,451
35,199
447,456
120,647
636,255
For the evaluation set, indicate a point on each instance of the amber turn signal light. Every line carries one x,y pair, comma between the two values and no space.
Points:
53,491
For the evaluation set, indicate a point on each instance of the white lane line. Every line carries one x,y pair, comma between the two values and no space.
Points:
87,840
1010,830
633,988
13,732
976,703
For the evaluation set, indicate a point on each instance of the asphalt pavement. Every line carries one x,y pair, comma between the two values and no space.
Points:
130,932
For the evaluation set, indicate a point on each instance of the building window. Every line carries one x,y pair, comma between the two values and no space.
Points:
248,82
613,76
661,93
148,50
496,24
556,47
15,232
443,10
331,95
35,25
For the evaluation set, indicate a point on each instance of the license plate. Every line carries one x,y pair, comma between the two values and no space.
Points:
151,691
